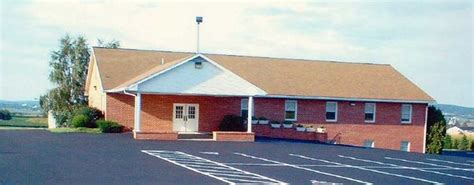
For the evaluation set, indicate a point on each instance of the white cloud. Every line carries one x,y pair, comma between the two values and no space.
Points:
419,39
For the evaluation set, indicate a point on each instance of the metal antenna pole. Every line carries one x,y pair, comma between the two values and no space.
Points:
198,21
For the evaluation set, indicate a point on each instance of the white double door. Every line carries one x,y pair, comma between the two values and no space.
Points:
185,117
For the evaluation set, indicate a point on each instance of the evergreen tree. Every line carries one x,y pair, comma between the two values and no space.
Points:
436,139
435,116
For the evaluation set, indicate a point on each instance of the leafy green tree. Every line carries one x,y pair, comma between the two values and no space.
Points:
436,139
435,116
464,144
112,44
448,142
68,73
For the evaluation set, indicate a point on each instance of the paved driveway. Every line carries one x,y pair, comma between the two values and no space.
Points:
40,157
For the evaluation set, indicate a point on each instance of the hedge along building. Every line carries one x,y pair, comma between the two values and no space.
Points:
159,94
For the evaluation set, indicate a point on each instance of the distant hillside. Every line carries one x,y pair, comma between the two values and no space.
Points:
458,111
21,107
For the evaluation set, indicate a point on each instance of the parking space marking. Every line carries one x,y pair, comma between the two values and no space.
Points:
365,169
450,162
303,168
429,164
210,168
406,167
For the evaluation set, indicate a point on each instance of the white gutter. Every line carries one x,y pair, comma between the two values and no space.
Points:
343,99
127,93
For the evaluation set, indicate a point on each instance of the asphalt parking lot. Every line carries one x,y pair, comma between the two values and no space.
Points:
40,157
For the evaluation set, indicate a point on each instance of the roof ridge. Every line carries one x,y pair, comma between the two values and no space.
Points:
253,56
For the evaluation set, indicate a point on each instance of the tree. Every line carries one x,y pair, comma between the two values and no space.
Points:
436,139
5,115
435,116
464,144
112,44
455,143
448,142
68,73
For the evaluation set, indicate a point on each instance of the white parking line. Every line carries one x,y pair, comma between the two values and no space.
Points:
336,166
366,169
303,168
406,167
429,164
450,162
210,168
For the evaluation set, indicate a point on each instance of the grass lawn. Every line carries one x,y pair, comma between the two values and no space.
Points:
75,130
25,122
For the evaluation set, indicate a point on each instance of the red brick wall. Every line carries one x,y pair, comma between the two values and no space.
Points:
387,131
120,108
157,110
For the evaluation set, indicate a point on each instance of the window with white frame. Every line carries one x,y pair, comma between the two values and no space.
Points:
291,108
405,146
331,111
244,108
369,112
406,113
369,143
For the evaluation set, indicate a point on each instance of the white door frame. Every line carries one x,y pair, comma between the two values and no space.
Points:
184,123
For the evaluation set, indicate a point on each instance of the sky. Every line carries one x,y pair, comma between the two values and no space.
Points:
430,42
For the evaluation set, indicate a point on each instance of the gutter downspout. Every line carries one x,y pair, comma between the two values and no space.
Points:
137,111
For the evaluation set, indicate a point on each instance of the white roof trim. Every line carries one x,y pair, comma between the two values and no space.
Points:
344,99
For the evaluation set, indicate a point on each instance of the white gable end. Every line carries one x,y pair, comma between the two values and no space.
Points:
207,80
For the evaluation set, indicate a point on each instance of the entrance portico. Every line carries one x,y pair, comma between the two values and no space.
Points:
193,96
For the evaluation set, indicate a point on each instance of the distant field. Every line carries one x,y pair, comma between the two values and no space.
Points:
25,122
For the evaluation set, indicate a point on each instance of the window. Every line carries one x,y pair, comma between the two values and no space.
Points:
331,111
369,143
370,112
405,146
406,113
244,108
290,110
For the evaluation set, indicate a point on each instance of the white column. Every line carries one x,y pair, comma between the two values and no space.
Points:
249,115
138,110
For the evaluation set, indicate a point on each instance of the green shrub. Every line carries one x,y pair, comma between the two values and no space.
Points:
464,144
92,115
274,122
80,121
287,122
109,126
5,115
262,118
232,123
448,142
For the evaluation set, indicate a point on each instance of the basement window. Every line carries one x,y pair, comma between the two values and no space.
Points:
405,146
369,143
